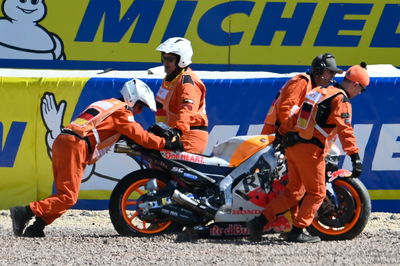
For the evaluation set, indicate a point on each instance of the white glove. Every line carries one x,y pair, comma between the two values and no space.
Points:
52,116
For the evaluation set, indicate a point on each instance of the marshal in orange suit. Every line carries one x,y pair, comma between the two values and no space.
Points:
83,142
307,144
181,99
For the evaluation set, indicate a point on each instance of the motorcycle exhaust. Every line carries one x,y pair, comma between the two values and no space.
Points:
178,214
191,204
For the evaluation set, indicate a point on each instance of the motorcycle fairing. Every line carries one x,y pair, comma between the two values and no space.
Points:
238,149
214,167
217,168
245,205
217,172
252,163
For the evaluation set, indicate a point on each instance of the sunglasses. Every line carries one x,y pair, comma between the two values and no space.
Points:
168,59
362,87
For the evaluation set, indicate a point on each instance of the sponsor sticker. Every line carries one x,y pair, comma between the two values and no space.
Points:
184,156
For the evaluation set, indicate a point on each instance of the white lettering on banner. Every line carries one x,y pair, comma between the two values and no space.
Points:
255,129
388,145
218,134
363,133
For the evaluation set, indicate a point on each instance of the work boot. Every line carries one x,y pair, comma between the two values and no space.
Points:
36,229
20,217
256,228
297,235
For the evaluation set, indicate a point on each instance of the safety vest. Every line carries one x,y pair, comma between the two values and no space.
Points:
164,96
272,116
92,116
306,119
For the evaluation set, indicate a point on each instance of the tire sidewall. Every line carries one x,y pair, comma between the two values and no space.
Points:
364,215
115,202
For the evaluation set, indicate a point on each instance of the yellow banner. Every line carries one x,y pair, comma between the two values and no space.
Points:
25,162
222,32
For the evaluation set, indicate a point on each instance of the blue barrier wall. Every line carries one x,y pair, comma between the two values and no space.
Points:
240,104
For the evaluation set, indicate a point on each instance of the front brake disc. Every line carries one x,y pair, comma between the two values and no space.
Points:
341,215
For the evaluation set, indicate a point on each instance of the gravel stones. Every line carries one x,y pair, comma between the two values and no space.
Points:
83,237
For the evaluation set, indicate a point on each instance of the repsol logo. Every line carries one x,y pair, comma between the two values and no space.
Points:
10,143
343,24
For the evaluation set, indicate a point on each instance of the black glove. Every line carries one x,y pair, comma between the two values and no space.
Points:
277,144
177,132
278,138
173,145
357,165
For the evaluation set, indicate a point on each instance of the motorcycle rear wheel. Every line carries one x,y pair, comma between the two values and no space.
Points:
349,219
124,209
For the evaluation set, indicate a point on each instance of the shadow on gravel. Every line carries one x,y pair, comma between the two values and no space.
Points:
192,236
100,236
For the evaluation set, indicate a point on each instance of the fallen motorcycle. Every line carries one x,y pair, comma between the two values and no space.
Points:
179,189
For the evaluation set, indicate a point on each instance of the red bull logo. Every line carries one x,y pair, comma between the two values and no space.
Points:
230,230
281,224
339,173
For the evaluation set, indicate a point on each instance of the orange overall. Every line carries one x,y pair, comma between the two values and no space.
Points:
183,107
291,94
306,165
71,154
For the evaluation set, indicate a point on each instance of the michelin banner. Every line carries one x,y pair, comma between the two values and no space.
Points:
226,34
38,105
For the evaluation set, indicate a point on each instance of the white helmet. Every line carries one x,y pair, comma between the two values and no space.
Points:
136,90
179,46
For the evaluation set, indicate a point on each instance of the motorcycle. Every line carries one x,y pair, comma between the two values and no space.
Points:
174,190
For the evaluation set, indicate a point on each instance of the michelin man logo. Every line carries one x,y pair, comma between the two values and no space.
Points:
21,35
109,170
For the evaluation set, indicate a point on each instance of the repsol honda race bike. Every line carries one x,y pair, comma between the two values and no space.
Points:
179,189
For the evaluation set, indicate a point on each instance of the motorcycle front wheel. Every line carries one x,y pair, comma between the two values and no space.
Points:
124,203
349,218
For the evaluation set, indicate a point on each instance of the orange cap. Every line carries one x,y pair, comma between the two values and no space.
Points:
358,74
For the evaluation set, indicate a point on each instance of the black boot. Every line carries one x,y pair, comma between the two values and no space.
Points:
20,217
256,227
297,235
36,229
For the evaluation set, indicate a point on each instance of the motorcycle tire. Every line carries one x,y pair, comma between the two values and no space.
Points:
347,220
123,205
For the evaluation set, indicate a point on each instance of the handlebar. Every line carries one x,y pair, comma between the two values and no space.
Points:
121,148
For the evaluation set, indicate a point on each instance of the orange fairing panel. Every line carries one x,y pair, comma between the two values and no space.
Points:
249,147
